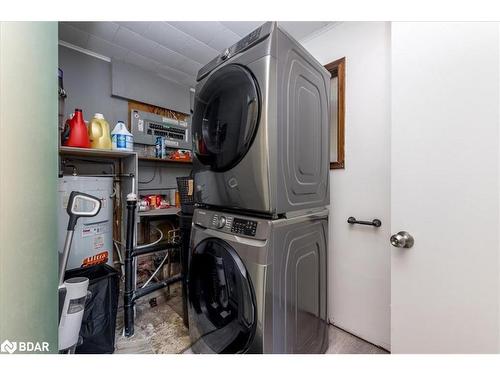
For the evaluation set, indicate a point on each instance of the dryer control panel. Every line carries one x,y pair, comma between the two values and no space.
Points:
248,41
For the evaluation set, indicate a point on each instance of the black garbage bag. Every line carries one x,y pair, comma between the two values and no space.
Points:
99,317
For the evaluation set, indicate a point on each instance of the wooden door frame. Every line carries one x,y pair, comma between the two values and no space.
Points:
337,69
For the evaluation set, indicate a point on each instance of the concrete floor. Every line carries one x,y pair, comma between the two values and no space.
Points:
160,330
342,342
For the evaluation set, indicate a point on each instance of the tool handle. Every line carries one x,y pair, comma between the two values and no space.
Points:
74,211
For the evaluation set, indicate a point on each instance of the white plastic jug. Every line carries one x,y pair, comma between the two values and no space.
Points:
121,138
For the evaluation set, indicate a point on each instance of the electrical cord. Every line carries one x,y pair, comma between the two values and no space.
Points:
156,270
119,252
161,263
152,243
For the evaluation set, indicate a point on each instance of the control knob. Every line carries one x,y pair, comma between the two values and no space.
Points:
225,54
221,222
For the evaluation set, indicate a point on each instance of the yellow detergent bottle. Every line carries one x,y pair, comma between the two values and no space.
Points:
99,134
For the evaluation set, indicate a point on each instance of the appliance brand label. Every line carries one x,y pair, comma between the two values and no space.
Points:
100,258
95,229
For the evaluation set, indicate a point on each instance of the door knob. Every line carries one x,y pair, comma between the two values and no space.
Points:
402,239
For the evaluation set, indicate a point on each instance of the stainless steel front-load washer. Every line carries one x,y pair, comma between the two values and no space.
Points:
258,285
260,127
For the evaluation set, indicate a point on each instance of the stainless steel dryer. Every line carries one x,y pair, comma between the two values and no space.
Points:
261,127
258,285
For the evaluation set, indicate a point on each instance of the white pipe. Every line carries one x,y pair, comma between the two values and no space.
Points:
156,270
118,250
152,243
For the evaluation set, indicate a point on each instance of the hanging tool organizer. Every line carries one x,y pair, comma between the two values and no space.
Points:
131,293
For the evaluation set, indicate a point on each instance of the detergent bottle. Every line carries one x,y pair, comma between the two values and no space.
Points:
99,133
121,138
78,136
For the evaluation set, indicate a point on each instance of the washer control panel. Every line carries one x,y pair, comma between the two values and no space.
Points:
222,222
244,226
234,225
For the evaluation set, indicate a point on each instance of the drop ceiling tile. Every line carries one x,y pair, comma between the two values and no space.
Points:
212,33
152,66
106,48
164,55
242,28
222,37
224,40
189,82
73,35
139,27
141,61
203,31
132,41
174,49
176,40
159,32
190,67
104,30
199,53
301,29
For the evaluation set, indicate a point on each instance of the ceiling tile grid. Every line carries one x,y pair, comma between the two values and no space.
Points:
173,50
241,28
105,48
73,35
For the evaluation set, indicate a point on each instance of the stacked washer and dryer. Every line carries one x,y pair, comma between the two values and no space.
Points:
257,278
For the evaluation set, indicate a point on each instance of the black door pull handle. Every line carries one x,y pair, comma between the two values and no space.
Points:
375,222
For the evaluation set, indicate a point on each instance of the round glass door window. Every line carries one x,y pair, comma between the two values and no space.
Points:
221,296
226,117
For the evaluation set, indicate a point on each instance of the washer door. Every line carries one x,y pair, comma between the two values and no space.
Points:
226,117
223,309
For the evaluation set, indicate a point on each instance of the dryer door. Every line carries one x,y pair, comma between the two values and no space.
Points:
226,117
223,310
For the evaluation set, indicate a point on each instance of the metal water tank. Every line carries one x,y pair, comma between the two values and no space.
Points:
93,238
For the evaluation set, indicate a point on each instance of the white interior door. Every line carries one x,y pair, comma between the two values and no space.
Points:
444,187
359,256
